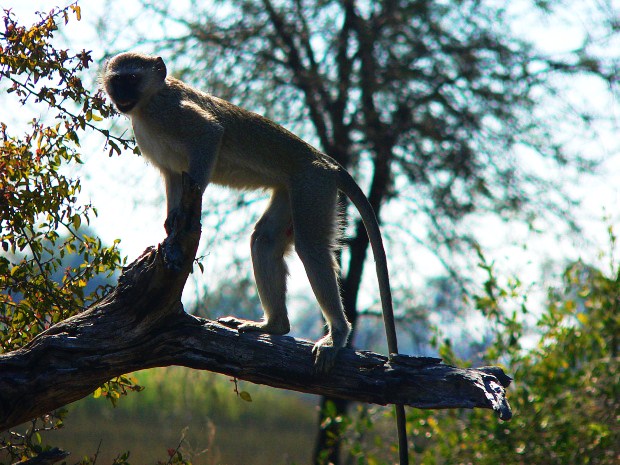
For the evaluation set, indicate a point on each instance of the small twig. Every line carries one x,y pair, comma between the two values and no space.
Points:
172,453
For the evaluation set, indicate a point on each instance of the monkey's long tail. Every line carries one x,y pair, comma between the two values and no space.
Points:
350,188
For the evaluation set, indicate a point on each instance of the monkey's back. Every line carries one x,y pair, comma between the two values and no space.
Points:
253,153
256,152
269,150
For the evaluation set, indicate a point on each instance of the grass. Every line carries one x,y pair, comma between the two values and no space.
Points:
219,427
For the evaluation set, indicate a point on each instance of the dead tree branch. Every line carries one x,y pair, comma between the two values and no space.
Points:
141,324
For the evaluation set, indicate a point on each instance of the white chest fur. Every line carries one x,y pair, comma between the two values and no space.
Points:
163,152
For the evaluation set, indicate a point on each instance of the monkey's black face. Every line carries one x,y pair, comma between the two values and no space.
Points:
125,90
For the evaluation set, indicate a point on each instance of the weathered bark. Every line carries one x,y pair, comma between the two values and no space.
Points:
141,324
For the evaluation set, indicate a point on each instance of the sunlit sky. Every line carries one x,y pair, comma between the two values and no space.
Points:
129,194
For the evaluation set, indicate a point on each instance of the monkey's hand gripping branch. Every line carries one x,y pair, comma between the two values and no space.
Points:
141,324
183,228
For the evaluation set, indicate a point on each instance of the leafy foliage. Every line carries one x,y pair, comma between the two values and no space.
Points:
566,391
23,445
41,219
117,387
566,395
51,266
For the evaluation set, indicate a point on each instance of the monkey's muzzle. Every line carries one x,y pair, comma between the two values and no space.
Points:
125,106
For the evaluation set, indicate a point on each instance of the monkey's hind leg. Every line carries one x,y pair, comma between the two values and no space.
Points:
271,240
314,222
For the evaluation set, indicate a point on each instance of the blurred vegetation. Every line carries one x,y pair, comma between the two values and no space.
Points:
566,391
215,423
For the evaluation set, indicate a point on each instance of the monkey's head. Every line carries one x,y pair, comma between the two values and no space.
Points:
131,78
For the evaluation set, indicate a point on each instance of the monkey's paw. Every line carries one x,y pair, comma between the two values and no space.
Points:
173,218
325,355
230,321
244,326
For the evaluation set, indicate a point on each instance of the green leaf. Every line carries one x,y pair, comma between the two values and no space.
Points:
77,221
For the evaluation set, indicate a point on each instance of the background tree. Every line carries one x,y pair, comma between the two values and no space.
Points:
436,106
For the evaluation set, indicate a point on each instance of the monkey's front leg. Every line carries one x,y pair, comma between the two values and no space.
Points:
174,191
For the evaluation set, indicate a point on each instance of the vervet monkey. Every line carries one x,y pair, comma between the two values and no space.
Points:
181,129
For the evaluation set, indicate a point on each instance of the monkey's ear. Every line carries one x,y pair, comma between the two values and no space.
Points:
160,67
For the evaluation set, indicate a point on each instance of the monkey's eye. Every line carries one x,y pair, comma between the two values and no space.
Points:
131,79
